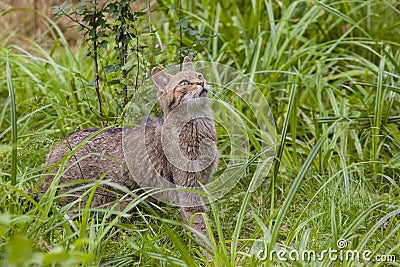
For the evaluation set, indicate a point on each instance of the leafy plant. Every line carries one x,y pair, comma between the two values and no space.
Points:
115,24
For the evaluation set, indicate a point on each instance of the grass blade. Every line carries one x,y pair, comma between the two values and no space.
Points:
13,120
296,185
279,153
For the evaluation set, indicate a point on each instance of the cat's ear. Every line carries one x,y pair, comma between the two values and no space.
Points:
160,78
187,64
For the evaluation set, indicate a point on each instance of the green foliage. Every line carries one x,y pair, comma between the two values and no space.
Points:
330,71
21,251
115,24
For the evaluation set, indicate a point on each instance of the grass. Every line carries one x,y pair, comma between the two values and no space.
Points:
329,70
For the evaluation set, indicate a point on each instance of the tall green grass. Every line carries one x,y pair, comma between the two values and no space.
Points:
330,71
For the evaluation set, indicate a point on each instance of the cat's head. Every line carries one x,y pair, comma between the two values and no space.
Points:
173,90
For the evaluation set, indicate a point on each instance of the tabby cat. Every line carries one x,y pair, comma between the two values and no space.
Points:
177,151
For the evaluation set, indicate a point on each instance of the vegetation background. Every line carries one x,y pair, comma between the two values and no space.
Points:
329,69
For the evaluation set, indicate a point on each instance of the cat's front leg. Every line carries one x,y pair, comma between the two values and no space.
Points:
194,216
192,207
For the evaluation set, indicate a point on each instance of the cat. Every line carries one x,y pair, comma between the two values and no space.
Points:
177,150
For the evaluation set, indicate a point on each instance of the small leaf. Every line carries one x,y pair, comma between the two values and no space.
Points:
112,68
61,9
115,14
103,44
92,33
100,33
193,32
159,53
202,39
183,23
114,82
87,18
80,9
125,40
139,14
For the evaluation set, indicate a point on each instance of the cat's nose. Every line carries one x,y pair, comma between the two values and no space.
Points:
199,83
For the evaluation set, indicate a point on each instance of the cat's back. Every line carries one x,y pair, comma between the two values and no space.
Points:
89,154
106,141
92,153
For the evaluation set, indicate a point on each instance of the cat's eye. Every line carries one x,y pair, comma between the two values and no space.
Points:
185,82
200,77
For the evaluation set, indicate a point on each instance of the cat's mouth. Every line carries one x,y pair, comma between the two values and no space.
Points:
198,95
203,92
